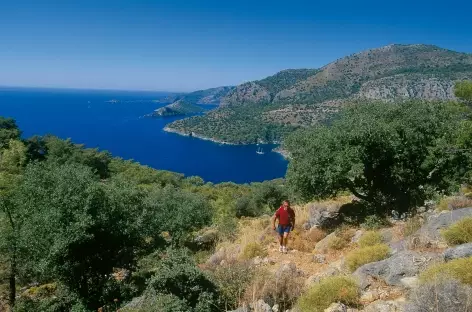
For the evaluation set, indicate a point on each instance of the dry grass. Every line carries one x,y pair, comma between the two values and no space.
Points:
359,257
370,238
305,241
284,290
459,233
412,225
458,269
454,202
252,250
332,289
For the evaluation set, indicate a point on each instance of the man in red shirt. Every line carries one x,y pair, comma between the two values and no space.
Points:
286,217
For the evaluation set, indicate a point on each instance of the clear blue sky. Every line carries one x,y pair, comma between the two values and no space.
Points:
187,45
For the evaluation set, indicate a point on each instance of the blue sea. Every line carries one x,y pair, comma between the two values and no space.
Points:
92,118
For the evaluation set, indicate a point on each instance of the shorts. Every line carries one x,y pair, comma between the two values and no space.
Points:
281,229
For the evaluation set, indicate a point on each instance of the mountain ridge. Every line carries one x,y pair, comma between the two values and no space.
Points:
269,108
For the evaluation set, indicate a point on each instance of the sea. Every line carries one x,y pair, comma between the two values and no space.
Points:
114,121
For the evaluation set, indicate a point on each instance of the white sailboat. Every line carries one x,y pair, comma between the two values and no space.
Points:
260,151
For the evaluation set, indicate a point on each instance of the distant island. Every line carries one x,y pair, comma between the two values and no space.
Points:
268,110
178,108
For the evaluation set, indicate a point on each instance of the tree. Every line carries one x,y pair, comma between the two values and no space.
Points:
74,229
463,90
389,156
8,131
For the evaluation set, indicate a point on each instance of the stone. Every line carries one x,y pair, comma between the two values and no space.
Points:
322,245
319,258
336,307
324,214
433,225
410,282
314,279
275,308
387,235
385,306
206,238
261,306
392,270
357,236
461,251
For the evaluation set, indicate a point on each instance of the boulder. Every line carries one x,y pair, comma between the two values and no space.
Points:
357,236
322,245
261,306
410,282
324,214
385,306
206,238
392,270
461,251
336,307
319,258
431,229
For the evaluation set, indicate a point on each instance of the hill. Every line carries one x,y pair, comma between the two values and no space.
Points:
179,107
269,108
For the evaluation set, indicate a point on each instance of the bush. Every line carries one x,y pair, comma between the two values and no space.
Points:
374,222
252,250
370,238
459,269
232,280
176,274
359,257
459,233
454,202
445,296
412,225
332,289
337,243
283,290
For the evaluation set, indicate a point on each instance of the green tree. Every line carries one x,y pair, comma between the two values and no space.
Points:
74,229
8,131
463,90
389,156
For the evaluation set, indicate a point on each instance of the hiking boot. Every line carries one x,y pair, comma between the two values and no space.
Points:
281,249
284,249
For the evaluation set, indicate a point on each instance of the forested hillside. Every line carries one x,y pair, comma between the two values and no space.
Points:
268,109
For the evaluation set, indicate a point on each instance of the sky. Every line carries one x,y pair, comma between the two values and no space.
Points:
190,45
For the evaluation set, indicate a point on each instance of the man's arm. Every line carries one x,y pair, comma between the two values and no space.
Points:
273,220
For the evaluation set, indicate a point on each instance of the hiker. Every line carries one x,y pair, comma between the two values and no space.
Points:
286,217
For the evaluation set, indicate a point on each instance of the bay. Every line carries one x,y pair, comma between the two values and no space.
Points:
113,121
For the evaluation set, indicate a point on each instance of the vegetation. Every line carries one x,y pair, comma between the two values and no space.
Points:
178,108
459,233
332,289
253,250
387,155
364,255
370,238
458,269
463,90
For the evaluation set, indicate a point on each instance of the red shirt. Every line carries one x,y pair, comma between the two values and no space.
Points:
286,217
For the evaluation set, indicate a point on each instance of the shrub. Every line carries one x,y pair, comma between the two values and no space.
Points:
412,225
252,250
337,243
374,222
445,296
370,238
359,257
283,290
332,289
454,202
232,280
306,240
315,235
459,233
459,269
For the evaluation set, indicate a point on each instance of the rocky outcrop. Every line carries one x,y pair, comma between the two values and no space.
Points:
385,306
392,270
461,251
324,215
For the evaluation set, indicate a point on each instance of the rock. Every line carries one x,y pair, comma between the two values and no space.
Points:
357,236
288,269
275,308
387,235
241,309
336,307
319,258
398,246
410,282
322,245
324,215
433,225
385,306
461,251
261,306
314,279
224,254
206,238
392,270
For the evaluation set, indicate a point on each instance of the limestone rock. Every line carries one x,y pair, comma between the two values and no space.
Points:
392,270
322,245
324,215
319,258
410,282
461,251
357,236
385,306
336,307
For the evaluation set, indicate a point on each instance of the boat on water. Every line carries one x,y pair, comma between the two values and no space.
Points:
260,151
